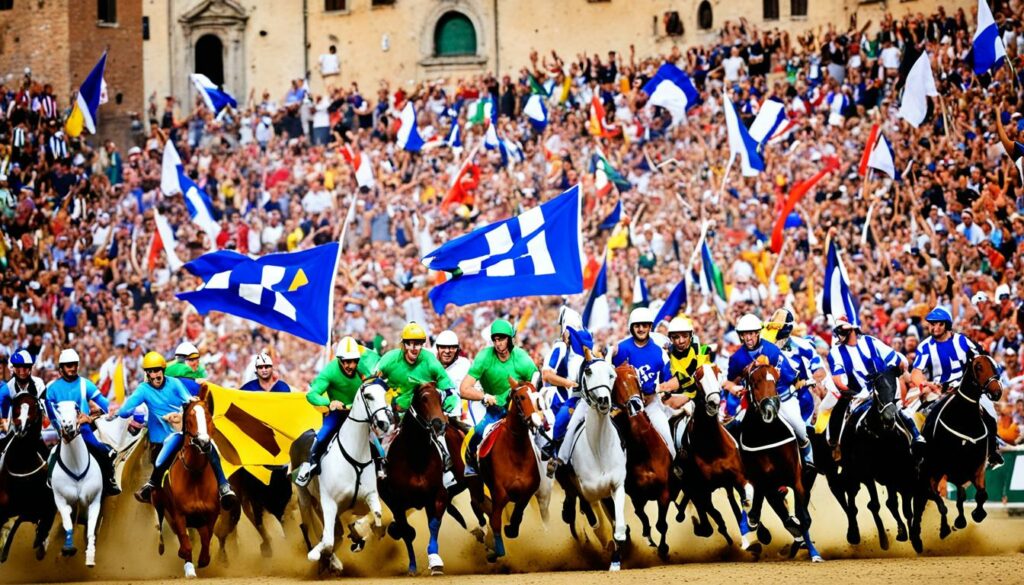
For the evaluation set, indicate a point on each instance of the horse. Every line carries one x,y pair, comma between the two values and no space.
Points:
509,466
597,456
957,447
415,471
771,461
348,480
254,498
77,481
709,459
188,495
24,493
648,459
877,448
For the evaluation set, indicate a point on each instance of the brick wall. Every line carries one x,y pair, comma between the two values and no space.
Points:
35,34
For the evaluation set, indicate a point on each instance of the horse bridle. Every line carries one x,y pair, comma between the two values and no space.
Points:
750,390
585,389
634,404
425,425
993,378
372,415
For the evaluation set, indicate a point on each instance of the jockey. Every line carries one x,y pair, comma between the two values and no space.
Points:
23,382
649,360
561,370
163,396
447,347
684,358
71,386
855,358
749,329
493,367
939,366
186,363
264,381
335,389
801,355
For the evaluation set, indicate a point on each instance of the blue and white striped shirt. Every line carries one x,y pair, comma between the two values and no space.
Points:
942,361
803,358
868,357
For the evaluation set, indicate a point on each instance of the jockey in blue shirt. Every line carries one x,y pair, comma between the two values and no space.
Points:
163,396
749,329
72,387
264,381
939,365
801,355
561,370
651,363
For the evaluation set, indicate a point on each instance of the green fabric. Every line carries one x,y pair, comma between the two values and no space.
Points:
403,378
178,369
333,384
493,373
503,327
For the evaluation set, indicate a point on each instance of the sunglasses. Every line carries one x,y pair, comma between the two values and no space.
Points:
412,343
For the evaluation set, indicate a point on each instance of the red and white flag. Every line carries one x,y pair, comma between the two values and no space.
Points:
361,165
163,239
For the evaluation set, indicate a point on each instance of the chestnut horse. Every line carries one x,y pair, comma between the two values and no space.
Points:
415,469
188,495
957,446
24,493
647,457
771,461
508,465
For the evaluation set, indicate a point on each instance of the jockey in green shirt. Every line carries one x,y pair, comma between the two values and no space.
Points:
493,367
186,363
335,388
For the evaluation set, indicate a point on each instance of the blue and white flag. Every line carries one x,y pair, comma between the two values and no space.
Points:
641,296
215,99
538,252
579,340
511,152
454,138
291,292
169,168
769,118
882,158
674,304
409,133
597,314
200,209
537,112
613,218
837,299
672,89
741,144
989,51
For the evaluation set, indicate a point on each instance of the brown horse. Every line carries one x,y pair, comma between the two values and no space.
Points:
415,469
188,496
508,465
24,493
771,461
710,459
648,459
957,446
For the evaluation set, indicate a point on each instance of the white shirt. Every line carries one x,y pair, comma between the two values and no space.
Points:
321,119
731,66
317,201
890,57
975,235
330,64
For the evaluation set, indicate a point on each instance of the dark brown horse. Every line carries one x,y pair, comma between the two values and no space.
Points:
188,496
24,493
648,459
957,446
415,469
771,461
254,499
709,459
508,465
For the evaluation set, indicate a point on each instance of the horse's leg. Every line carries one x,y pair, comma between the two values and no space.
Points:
719,521
778,503
9,538
753,524
681,507
645,522
326,544
741,517
177,522
254,512
875,505
569,508
940,503
619,533
852,487
498,501
373,503
68,523
205,533
960,522
512,530
701,502
800,498
92,519
662,524
892,503
305,501
980,495
434,517
919,502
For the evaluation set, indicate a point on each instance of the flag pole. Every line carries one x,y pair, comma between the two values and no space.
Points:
337,262
778,262
725,177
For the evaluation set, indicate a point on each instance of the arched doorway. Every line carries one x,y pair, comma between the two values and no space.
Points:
454,35
210,58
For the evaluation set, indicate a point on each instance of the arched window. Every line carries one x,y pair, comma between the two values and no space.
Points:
705,19
454,35
210,58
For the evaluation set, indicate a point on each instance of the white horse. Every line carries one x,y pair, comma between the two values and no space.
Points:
76,480
596,452
347,475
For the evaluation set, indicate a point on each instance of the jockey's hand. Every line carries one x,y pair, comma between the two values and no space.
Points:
3,425
336,405
110,416
173,418
489,400
84,419
450,403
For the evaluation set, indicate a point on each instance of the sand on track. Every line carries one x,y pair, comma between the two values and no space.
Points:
992,552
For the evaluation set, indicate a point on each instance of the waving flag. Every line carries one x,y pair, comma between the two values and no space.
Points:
673,304
467,179
882,158
989,51
481,111
511,152
919,85
795,195
613,218
163,240
741,144
291,292
837,299
169,184
597,315
597,125
536,111
83,114
580,340
215,99
869,146
454,138
409,133
360,165
539,252
641,296
710,276
605,174
200,209
769,119
672,89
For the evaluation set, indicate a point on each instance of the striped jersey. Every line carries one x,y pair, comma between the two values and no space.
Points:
862,360
803,358
942,361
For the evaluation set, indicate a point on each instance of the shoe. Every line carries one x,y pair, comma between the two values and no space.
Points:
547,451
228,499
304,474
809,465
448,479
995,460
469,471
144,493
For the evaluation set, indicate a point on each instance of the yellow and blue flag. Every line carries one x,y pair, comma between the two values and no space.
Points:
290,292
83,113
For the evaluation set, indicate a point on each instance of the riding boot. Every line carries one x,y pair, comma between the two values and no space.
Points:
155,478
448,477
995,458
807,454
310,467
105,460
472,458
917,444
550,449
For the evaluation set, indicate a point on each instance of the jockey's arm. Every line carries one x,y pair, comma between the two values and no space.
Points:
918,379
670,385
840,382
550,377
469,391
819,375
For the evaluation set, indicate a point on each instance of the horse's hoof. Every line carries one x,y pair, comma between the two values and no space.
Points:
160,549
853,536
883,541
40,553
335,566
663,552
915,541
944,531
435,563
266,550
755,549
68,551
511,531
357,545
817,559
615,566
960,522
764,535
314,555
702,530
979,514
478,534
901,535
190,571
436,571
90,559
492,557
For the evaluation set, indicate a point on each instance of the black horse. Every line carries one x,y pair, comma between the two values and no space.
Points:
876,447
24,494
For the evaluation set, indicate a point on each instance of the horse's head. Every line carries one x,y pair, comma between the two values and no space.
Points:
982,375
427,410
372,395
524,399
197,421
67,420
761,381
596,380
626,389
25,414
709,390
885,390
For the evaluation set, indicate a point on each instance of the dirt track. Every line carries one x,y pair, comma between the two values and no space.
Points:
992,552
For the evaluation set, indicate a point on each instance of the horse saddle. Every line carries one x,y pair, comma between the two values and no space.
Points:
678,425
491,433
760,437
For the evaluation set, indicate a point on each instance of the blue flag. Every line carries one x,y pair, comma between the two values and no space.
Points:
672,89
291,292
578,340
613,218
837,299
536,253
989,51
409,133
597,313
215,99
673,304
